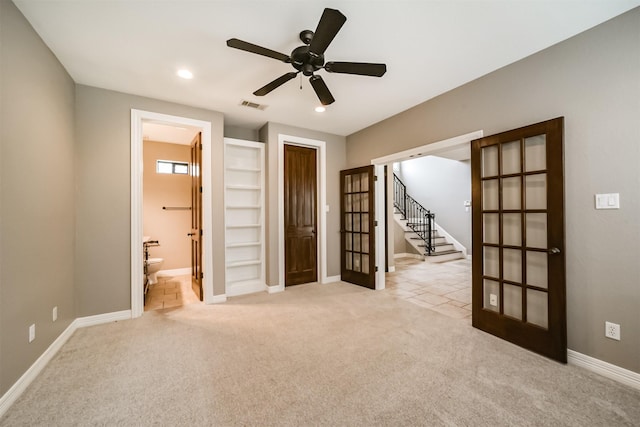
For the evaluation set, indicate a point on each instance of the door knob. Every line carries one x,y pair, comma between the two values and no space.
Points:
554,251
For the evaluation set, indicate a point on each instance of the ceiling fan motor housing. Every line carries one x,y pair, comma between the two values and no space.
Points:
305,61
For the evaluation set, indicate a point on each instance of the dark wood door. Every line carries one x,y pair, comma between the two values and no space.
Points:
195,171
357,227
518,237
300,213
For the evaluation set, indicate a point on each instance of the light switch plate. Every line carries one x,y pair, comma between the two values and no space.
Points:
608,201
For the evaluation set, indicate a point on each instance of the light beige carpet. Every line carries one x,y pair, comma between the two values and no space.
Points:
335,355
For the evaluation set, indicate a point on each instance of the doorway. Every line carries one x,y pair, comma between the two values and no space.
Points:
138,117
454,147
168,209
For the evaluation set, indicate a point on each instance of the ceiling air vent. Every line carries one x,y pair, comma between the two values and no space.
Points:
250,104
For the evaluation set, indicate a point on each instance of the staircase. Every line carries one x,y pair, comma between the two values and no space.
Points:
419,226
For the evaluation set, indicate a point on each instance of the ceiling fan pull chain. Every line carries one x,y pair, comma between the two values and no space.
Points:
300,81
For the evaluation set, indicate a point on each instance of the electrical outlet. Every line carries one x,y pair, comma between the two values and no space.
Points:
54,313
32,332
612,330
493,300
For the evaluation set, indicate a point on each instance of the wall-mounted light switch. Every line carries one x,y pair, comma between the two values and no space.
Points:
608,201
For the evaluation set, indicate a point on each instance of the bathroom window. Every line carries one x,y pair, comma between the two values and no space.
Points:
171,167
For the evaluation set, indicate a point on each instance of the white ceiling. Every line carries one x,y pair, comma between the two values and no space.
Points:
430,47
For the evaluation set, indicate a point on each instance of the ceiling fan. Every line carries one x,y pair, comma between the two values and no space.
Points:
309,58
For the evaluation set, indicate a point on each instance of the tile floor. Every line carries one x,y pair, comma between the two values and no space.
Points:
442,287
170,291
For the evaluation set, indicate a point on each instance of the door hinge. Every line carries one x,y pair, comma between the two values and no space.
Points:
201,232
376,268
375,177
200,146
201,275
375,223
201,188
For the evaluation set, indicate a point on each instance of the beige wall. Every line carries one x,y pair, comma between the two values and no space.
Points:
335,146
103,208
169,227
593,80
36,196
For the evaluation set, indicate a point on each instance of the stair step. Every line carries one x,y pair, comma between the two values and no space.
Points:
437,244
452,251
444,256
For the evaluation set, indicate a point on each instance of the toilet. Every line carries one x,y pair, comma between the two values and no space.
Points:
153,266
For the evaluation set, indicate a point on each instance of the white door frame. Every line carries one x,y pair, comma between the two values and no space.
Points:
462,142
137,270
320,148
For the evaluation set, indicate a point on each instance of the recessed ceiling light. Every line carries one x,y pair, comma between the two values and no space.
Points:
185,74
320,109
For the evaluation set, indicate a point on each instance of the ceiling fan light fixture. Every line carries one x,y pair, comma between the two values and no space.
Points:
320,109
185,74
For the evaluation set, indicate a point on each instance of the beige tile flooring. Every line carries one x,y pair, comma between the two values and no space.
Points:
170,292
442,287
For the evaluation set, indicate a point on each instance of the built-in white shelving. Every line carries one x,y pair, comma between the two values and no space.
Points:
244,216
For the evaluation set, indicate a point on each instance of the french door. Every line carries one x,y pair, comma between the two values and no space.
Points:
357,226
518,237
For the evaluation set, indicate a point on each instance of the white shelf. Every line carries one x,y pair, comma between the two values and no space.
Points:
243,245
240,169
243,187
243,263
244,207
244,216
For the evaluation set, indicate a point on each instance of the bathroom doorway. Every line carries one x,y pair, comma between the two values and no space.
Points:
171,209
164,214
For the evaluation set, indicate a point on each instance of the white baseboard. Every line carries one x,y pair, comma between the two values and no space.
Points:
30,375
331,279
605,369
99,319
275,289
175,272
217,299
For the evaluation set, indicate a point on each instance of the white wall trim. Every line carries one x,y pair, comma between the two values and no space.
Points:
321,159
34,370
331,279
450,239
380,211
434,148
27,378
616,373
218,299
275,289
99,319
137,119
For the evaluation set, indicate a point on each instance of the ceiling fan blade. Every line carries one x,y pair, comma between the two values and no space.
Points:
254,48
274,84
322,90
330,23
359,68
